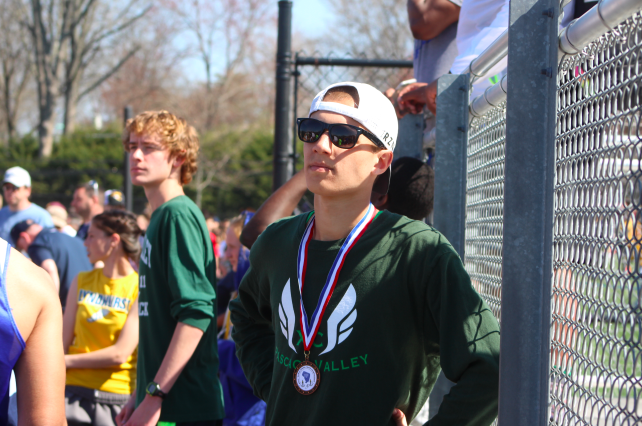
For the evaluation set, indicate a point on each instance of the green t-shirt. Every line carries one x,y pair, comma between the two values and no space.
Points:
406,308
177,284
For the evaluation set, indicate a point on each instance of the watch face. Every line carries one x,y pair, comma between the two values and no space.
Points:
151,388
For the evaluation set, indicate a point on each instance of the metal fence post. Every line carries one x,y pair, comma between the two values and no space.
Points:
295,108
282,141
127,180
450,159
528,212
410,137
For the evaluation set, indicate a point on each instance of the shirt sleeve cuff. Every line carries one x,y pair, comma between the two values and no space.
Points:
196,319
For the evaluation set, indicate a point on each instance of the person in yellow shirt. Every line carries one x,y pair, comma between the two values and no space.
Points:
100,324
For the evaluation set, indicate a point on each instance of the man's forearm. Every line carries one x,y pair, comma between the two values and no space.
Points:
181,348
429,18
279,205
415,10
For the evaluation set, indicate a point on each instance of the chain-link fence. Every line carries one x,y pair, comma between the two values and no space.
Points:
596,346
485,205
313,73
596,316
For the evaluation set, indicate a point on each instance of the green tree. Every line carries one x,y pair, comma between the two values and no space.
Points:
235,167
75,159
236,170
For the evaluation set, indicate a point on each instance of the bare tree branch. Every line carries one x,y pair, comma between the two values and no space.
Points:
119,28
87,38
109,73
85,10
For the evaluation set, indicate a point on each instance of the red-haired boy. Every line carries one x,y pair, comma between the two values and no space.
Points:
177,377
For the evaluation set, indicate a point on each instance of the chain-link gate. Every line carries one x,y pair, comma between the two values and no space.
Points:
314,73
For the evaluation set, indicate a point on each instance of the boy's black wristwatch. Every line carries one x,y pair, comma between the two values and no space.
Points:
154,389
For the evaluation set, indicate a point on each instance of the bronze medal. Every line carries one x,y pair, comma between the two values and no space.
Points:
306,377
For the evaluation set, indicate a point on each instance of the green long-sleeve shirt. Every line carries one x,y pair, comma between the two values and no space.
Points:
407,308
177,279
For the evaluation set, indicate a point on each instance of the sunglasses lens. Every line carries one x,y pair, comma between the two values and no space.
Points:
343,136
310,130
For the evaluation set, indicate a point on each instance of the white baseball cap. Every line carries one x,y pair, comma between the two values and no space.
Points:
18,177
375,112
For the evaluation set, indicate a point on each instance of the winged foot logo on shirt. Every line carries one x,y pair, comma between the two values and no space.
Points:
340,322
146,252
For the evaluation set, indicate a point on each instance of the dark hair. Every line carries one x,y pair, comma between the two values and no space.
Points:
347,93
342,93
92,189
19,228
412,188
124,224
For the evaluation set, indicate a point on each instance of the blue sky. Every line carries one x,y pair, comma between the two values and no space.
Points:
308,16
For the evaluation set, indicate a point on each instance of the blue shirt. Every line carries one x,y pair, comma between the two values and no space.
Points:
11,342
82,231
68,252
8,219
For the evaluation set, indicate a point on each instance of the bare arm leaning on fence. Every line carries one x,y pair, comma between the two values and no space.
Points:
279,205
428,18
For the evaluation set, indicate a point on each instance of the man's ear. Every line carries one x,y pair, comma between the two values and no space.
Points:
385,160
24,236
178,160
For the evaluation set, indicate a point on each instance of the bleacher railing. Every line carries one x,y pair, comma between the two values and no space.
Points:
550,219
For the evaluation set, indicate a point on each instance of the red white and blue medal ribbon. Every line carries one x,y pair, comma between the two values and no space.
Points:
310,328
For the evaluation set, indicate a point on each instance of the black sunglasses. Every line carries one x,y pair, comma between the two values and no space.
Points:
343,136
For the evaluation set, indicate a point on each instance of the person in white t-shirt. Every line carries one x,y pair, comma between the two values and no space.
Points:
481,22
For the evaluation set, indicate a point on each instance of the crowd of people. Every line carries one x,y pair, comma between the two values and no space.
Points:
137,299
166,317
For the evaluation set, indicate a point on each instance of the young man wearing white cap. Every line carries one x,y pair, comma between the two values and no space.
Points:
16,188
346,315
